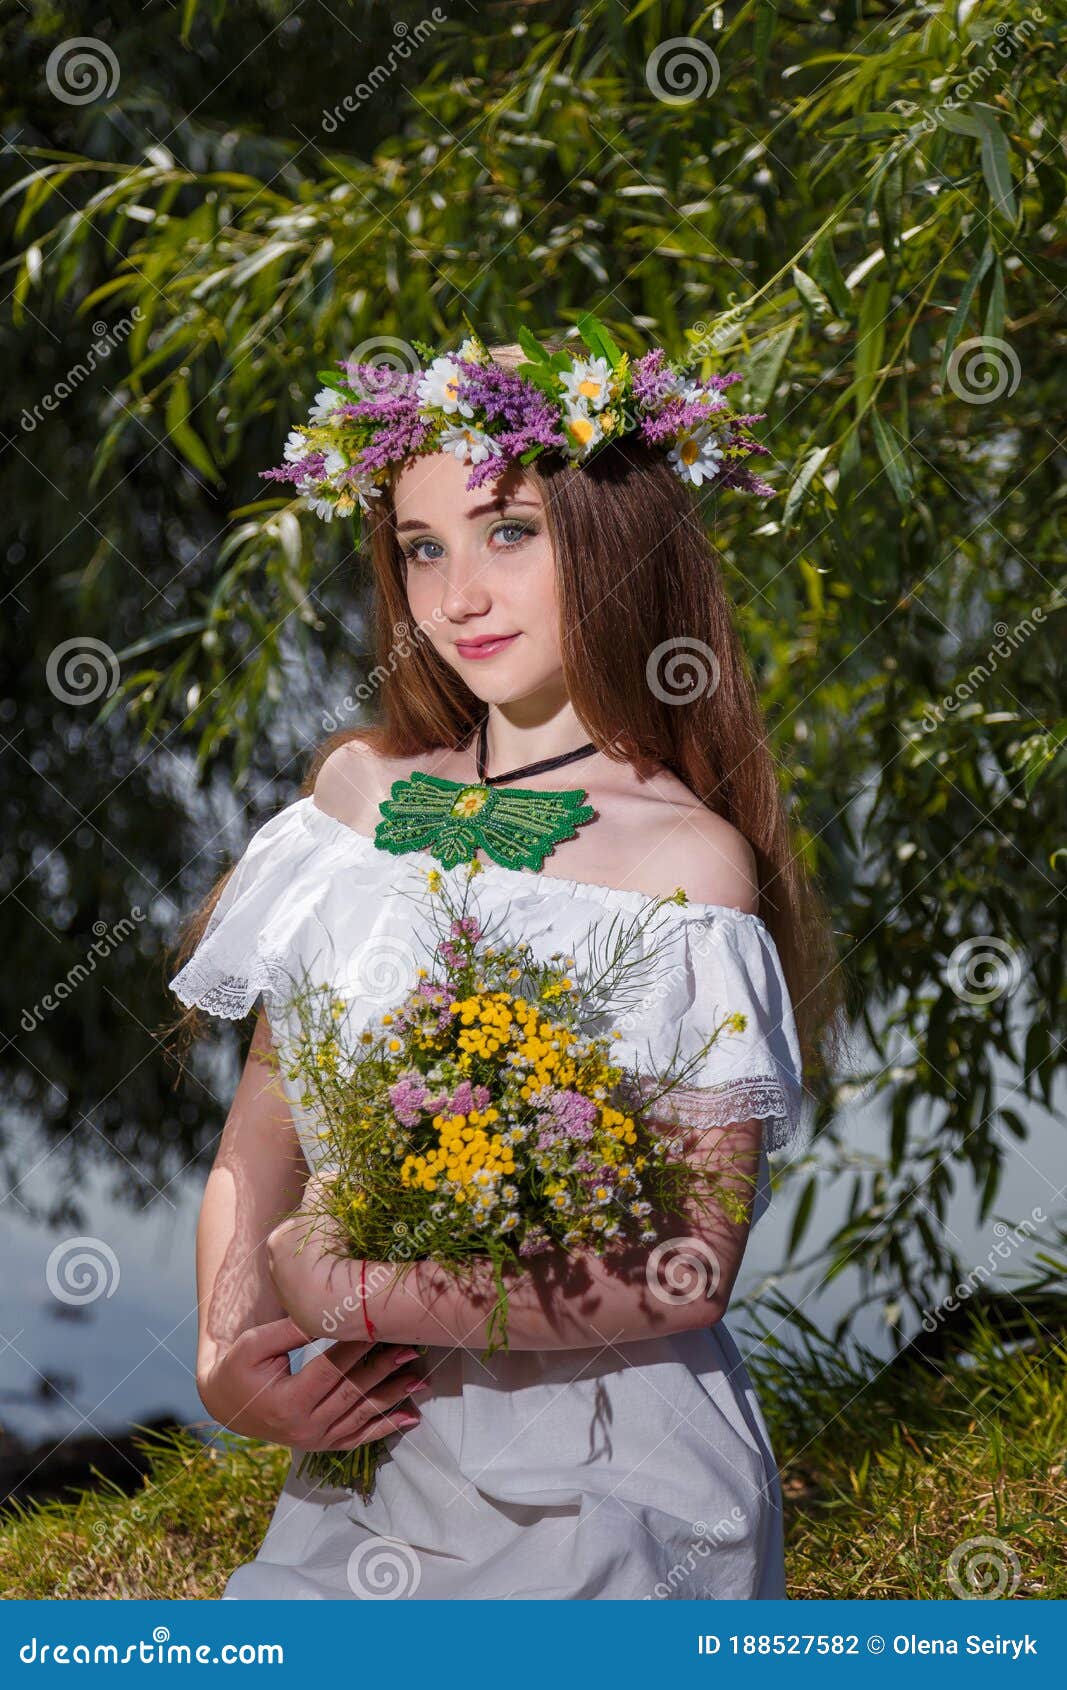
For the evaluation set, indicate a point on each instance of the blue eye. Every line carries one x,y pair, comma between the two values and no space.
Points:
411,553
522,530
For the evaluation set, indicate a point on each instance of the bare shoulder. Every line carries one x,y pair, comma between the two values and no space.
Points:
692,847
352,782
710,857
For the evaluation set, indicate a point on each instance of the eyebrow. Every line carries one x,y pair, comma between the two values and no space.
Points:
477,510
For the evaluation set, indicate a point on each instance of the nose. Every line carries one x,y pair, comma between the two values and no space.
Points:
464,588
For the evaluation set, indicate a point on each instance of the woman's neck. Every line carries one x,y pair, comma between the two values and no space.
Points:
513,742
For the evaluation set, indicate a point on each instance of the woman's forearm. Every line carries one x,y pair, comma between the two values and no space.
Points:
560,1301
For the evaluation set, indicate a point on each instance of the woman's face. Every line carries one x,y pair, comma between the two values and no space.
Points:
480,573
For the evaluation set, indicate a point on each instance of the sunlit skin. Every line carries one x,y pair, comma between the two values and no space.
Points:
481,564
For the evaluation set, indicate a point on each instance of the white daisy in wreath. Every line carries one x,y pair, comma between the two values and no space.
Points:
585,431
469,445
696,456
696,391
326,403
439,388
588,383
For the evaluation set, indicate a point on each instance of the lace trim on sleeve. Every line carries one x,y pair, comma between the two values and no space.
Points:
231,996
759,1098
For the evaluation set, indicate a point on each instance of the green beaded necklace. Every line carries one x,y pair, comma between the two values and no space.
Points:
456,818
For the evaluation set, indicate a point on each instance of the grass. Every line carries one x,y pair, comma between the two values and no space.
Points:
885,1474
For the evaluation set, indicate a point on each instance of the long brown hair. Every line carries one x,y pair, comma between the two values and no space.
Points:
639,588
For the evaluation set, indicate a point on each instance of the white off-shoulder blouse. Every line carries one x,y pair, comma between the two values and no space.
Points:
311,893
597,1472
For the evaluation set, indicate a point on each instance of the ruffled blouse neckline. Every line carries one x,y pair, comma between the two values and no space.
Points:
327,826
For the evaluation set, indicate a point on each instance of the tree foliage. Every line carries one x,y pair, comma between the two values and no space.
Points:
858,205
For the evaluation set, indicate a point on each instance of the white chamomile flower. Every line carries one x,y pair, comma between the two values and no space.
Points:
471,352
324,508
585,431
334,462
365,491
296,446
326,402
469,445
439,388
690,390
586,384
696,456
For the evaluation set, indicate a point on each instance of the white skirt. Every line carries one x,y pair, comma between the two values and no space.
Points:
624,1472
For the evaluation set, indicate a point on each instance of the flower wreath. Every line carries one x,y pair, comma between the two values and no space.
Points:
370,418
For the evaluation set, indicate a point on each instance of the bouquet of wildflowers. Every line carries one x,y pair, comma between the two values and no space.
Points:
483,1116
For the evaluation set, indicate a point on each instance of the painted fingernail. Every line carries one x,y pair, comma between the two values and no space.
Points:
407,1419
405,1355
421,1385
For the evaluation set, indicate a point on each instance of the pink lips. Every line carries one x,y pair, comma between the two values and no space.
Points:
486,646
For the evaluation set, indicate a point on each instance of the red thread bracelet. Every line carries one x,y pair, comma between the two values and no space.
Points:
371,1333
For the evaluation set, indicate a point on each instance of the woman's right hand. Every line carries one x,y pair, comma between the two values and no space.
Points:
340,1399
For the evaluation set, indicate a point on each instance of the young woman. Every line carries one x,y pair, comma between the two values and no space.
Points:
562,620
